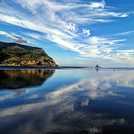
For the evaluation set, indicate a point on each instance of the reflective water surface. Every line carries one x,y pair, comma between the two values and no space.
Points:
77,101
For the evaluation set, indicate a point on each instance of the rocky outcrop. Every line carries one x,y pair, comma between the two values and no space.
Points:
13,54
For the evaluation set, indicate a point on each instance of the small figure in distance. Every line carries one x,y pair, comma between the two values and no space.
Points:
97,67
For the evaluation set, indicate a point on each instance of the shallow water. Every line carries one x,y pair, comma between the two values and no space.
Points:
68,101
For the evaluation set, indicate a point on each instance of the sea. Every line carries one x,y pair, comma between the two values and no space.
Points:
67,101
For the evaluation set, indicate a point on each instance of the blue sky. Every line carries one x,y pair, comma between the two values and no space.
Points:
73,32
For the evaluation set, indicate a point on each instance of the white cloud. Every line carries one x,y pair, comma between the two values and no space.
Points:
6,34
71,27
97,5
61,23
13,37
124,56
95,40
86,32
124,33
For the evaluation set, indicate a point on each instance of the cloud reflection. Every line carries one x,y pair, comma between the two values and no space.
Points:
84,105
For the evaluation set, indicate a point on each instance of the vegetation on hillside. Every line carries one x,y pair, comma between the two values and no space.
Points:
13,54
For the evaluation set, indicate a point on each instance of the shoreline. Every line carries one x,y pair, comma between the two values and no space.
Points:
38,67
63,67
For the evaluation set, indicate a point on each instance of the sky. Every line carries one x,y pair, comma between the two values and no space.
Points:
73,32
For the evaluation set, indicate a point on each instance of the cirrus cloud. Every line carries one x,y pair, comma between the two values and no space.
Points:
62,23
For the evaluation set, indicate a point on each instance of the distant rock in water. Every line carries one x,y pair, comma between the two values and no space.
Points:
13,54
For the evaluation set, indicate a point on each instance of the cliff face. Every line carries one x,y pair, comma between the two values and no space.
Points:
13,54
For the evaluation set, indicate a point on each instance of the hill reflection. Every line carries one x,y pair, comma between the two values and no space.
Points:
16,79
